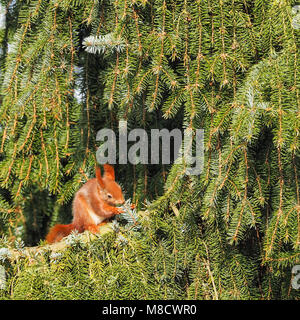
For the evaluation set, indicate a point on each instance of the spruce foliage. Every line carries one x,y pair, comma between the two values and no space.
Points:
230,67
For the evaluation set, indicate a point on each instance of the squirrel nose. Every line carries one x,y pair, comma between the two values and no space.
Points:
120,201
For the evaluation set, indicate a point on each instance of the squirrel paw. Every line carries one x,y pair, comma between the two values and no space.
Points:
119,211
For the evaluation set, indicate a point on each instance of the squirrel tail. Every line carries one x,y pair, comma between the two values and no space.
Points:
59,231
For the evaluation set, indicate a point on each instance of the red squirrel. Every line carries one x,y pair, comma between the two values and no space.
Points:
93,203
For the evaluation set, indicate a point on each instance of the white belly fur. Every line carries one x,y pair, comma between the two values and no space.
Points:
95,217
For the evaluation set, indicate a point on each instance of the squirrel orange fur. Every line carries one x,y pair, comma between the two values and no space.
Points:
93,203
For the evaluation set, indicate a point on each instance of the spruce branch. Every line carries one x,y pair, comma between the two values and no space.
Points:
102,43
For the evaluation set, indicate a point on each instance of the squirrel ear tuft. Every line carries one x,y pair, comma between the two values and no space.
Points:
109,171
99,178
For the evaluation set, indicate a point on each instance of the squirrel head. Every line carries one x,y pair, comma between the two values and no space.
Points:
109,190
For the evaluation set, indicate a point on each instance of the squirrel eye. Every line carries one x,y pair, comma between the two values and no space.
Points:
109,195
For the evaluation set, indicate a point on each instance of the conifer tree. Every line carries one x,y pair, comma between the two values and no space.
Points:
70,68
